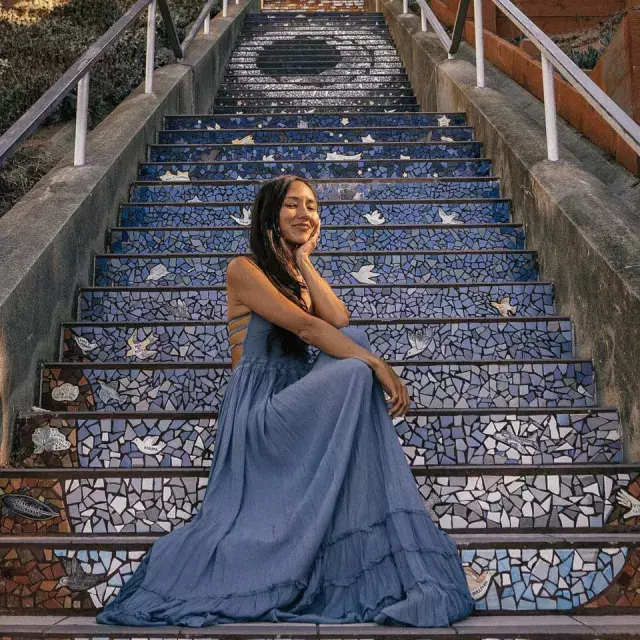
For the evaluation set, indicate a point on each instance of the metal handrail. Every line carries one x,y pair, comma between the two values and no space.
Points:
78,75
551,57
427,16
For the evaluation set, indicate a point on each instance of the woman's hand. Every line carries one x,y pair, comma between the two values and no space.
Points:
305,250
394,387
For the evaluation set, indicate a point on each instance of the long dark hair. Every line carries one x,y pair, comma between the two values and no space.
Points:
270,254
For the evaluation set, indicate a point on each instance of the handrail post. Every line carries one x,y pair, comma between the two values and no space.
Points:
423,20
477,22
405,6
151,47
550,117
225,8
207,25
82,117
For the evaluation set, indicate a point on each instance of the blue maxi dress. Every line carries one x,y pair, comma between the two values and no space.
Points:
311,513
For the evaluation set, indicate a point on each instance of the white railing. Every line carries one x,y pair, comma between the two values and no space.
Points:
79,74
552,57
427,16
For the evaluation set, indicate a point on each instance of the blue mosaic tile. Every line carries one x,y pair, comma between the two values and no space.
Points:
305,135
379,238
331,121
546,437
313,152
390,105
158,387
448,188
450,340
207,270
331,213
434,301
263,170
501,579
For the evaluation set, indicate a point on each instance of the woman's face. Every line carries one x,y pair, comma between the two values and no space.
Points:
299,214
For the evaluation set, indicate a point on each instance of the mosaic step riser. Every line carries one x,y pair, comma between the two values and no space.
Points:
401,189
141,501
478,340
328,121
446,301
311,97
286,103
502,579
449,238
343,268
306,109
255,83
329,56
129,441
309,136
337,76
243,149
431,385
269,167
331,213
249,89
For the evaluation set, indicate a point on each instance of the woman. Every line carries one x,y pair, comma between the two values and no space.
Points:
311,513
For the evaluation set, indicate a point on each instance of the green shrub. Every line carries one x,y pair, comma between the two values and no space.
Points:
33,55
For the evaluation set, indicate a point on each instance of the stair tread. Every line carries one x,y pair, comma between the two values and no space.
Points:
549,625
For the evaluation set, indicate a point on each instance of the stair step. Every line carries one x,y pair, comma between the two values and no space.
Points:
162,386
455,300
319,169
332,84
336,267
428,436
337,98
338,120
389,105
431,136
330,189
502,627
177,214
312,152
490,563
456,339
335,80
352,238
534,498
311,94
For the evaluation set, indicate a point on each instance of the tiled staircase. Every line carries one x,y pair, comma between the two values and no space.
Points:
505,436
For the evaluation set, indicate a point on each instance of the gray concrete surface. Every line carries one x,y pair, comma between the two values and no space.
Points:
581,214
49,239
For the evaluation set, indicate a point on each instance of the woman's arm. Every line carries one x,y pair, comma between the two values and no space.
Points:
326,304
252,288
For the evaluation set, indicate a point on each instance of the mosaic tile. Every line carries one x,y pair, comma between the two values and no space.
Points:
448,188
427,136
546,437
503,579
378,238
342,268
331,213
527,501
389,104
317,170
495,340
313,152
194,387
130,502
331,121
435,301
